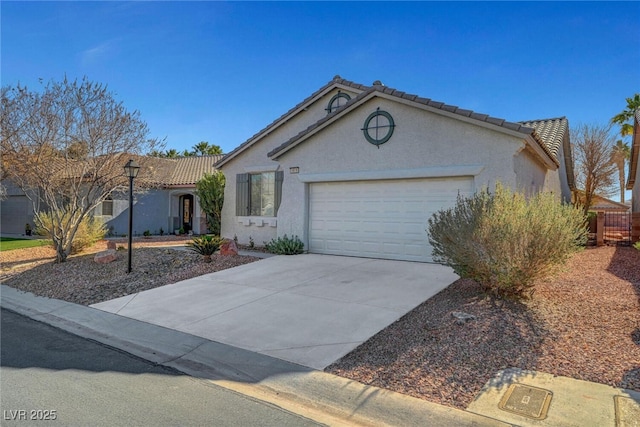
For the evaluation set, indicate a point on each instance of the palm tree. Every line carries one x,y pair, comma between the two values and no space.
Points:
171,154
203,148
620,154
156,153
625,118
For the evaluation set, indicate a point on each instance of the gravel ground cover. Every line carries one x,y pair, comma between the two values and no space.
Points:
584,323
82,281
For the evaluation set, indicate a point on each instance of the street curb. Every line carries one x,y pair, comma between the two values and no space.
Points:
332,399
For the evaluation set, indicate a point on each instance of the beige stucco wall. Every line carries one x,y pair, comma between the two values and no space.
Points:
531,174
254,160
424,144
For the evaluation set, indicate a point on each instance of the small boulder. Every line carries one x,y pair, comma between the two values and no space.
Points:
105,257
111,244
229,248
462,318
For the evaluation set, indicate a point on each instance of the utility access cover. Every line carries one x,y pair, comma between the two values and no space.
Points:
627,411
525,400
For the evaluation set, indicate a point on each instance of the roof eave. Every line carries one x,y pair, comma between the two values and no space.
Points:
332,85
321,124
482,120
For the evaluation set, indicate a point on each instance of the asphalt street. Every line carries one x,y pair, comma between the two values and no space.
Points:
51,377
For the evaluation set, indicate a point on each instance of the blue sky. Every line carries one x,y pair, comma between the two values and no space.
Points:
221,71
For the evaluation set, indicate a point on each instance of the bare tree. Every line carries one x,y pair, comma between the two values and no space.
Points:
595,172
65,147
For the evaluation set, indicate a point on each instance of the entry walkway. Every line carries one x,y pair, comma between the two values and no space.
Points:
308,309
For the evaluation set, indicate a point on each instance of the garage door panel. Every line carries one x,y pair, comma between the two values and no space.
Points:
379,219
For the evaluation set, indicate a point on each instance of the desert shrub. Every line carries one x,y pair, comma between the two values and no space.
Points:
205,245
637,245
89,231
285,246
505,241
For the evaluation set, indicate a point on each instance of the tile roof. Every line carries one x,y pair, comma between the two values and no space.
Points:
181,171
189,170
337,80
600,203
552,130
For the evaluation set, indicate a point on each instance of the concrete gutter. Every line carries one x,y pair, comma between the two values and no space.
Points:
323,397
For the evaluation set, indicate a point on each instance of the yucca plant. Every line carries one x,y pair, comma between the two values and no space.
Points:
205,245
285,246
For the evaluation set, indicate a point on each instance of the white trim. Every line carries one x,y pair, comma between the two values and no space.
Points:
535,148
263,168
429,172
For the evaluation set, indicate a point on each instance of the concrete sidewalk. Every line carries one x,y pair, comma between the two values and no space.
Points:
307,309
323,397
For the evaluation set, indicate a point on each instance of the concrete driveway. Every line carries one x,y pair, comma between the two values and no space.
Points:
307,309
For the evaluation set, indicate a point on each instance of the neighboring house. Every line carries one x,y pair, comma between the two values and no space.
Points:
16,210
614,222
633,183
602,204
167,200
358,170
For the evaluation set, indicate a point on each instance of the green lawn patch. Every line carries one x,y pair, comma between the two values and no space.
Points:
11,243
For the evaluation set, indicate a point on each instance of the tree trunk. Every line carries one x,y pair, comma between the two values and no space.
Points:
61,254
621,177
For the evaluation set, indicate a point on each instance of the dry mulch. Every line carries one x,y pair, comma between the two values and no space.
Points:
82,281
584,324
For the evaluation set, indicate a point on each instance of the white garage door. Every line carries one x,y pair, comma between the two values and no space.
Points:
379,219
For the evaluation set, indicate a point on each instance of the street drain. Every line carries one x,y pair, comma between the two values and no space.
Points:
528,401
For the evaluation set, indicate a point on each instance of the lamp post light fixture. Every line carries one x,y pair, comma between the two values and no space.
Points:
131,169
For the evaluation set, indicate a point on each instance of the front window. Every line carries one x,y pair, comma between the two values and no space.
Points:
262,200
107,207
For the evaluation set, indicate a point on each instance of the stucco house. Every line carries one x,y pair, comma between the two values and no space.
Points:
358,170
163,200
633,182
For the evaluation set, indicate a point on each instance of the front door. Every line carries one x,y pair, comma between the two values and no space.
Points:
186,207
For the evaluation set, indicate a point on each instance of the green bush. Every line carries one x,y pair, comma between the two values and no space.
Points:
505,241
89,231
285,246
205,245
637,245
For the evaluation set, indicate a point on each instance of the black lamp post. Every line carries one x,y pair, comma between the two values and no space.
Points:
131,169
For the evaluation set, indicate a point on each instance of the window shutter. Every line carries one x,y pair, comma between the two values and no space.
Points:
278,191
242,194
